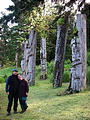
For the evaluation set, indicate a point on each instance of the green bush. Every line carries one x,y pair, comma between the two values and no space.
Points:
67,64
38,69
88,75
88,58
60,21
66,76
51,78
50,67
5,77
2,80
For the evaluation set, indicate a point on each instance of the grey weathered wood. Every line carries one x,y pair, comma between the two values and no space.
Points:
60,52
23,61
16,60
78,71
32,57
43,59
28,62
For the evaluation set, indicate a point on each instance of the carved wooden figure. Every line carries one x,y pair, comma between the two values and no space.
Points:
78,44
28,62
43,59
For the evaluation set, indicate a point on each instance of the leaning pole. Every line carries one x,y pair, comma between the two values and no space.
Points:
61,41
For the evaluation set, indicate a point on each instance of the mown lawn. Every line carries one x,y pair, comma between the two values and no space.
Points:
44,104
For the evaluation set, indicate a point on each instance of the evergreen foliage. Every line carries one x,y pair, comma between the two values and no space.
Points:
29,15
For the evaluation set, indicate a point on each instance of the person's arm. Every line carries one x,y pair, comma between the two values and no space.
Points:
27,88
7,84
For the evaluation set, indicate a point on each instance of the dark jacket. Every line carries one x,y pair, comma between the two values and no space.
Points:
12,84
23,88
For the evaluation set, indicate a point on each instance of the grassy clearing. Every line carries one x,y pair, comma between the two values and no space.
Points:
44,104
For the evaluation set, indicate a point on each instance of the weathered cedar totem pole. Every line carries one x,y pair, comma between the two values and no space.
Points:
28,62
43,59
78,44
60,52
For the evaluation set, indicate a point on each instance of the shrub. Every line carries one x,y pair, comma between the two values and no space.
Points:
2,80
66,76
38,69
67,64
51,78
88,58
60,21
88,75
50,67
5,78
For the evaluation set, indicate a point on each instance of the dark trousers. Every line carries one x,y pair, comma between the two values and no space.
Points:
12,97
23,103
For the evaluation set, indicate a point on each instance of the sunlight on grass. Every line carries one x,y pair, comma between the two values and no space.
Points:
44,104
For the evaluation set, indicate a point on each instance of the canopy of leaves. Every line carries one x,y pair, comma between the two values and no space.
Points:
30,14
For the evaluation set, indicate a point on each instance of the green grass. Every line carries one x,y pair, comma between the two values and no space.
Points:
44,104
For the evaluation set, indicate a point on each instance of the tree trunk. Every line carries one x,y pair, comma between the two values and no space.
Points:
28,62
43,59
60,52
16,60
78,71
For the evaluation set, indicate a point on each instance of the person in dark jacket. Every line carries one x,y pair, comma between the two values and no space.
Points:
12,90
23,93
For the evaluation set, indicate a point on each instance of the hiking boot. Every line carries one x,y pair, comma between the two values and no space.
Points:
8,114
15,112
22,111
26,107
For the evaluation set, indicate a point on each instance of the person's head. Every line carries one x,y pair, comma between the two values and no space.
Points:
15,71
19,77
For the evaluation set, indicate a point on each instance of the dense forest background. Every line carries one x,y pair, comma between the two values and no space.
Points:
13,36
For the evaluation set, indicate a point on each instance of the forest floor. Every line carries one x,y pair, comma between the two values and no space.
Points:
44,104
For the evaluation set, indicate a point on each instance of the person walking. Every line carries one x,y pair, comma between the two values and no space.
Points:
12,90
23,93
